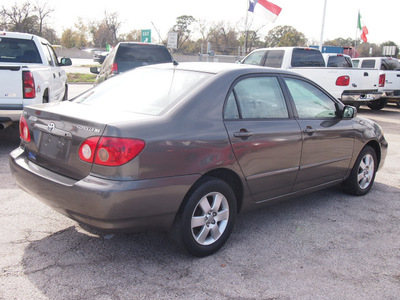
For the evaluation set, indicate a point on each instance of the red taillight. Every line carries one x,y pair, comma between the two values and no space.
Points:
382,79
29,85
24,130
110,151
343,80
114,68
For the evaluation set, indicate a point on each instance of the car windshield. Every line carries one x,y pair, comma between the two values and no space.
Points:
143,90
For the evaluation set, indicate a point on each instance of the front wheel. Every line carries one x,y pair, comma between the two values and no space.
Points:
362,175
205,222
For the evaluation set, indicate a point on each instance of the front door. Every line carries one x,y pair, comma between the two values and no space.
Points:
328,140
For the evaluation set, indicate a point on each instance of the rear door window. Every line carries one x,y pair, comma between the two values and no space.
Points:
256,98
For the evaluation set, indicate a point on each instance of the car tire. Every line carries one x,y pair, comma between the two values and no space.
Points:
206,218
65,97
362,175
377,104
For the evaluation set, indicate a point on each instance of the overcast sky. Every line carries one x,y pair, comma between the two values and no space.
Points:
380,17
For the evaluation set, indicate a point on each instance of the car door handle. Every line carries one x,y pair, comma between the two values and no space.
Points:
309,130
242,134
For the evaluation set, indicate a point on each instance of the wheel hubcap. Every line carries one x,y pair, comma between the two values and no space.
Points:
366,171
210,218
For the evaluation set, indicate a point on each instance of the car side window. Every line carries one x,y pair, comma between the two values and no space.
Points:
255,98
254,58
309,100
48,55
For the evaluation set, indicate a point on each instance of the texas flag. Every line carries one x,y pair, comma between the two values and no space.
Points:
266,8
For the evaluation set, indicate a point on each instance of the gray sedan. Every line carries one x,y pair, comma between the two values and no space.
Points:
184,148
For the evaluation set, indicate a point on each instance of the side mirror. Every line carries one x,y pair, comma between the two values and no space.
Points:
94,70
349,112
66,62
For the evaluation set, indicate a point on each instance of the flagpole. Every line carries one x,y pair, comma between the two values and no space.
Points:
246,32
355,40
322,28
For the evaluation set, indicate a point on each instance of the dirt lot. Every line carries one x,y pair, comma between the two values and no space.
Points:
326,245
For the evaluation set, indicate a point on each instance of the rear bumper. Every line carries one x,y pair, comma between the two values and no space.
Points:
10,115
362,97
115,205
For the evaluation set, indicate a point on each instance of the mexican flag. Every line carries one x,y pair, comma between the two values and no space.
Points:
363,28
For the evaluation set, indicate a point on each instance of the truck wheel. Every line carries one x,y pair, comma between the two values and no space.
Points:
362,175
205,222
378,104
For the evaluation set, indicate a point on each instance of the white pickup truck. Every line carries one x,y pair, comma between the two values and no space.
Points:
390,69
30,73
350,85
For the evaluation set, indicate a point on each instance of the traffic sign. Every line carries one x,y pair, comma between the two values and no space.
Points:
146,35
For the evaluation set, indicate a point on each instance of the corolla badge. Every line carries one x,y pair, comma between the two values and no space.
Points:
51,126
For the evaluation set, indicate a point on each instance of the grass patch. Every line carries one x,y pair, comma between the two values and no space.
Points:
79,77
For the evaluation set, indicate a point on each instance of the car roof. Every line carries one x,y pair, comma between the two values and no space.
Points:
218,68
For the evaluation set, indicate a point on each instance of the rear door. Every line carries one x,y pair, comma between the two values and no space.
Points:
265,139
328,140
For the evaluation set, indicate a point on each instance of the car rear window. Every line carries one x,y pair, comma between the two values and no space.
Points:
145,90
339,62
368,64
307,58
18,51
142,53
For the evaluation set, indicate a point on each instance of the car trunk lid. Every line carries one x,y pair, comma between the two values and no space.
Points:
58,130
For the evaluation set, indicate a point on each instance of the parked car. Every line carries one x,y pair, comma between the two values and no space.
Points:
100,56
184,148
129,55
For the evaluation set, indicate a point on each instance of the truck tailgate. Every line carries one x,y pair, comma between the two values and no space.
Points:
11,86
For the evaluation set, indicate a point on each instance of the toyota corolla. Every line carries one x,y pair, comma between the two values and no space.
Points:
184,148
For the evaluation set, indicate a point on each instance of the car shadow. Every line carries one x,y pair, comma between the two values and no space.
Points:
75,263
9,138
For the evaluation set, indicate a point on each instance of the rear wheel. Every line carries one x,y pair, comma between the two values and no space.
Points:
378,104
362,175
205,222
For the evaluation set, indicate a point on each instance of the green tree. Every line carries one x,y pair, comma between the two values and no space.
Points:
19,18
132,36
340,42
28,18
285,36
182,27
224,39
